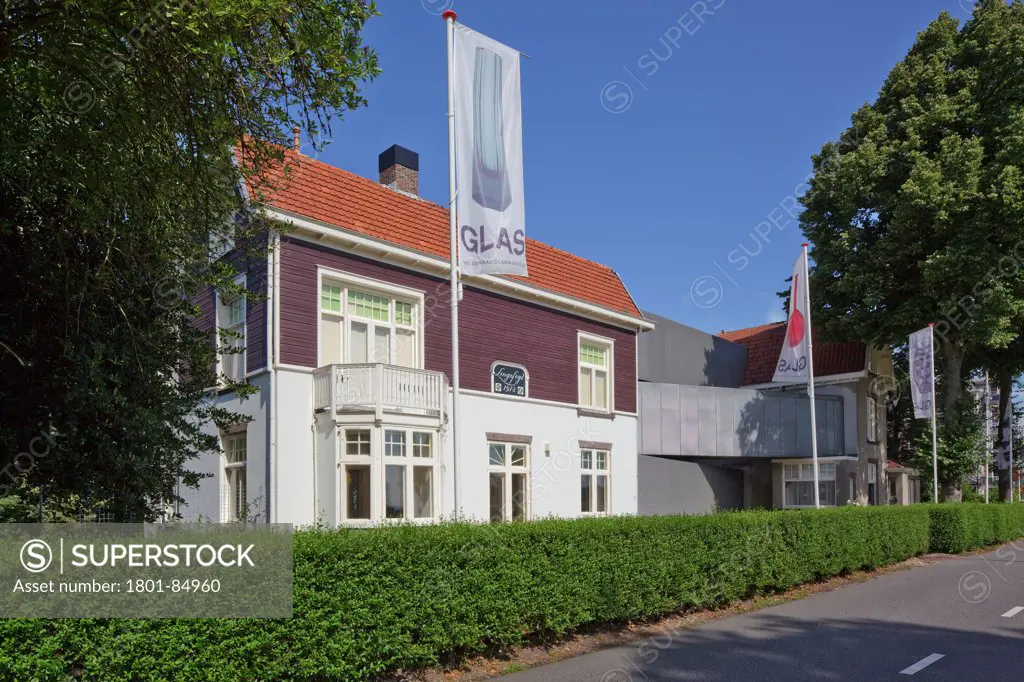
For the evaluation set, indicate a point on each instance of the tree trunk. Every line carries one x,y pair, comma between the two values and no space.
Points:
1005,379
952,357
949,491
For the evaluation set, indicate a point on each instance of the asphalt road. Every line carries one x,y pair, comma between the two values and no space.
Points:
959,619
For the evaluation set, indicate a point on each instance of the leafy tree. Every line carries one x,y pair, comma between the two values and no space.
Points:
916,212
119,125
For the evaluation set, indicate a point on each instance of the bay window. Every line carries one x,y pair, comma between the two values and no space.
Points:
595,373
508,479
799,484
356,466
388,472
594,482
409,465
361,325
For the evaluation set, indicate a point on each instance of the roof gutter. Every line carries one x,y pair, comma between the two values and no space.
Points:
434,264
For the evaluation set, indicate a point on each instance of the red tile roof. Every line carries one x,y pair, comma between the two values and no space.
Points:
316,190
765,342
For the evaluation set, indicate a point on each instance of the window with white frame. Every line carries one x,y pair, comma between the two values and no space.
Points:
799,484
356,466
410,464
594,481
872,483
231,335
359,325
404,467
235,447
595,373
871,409
509,481
189,502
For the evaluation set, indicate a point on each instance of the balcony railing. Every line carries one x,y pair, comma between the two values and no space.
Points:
379,388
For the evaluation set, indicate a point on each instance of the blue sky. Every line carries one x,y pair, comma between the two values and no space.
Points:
662,144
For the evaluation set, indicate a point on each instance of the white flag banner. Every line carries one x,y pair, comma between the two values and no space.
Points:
792,367
489,156
922,361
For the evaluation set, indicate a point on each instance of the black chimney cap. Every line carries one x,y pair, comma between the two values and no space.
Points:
396,155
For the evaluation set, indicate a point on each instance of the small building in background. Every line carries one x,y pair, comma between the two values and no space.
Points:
904,483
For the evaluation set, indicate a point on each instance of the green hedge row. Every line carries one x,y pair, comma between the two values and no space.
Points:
962,527
368,602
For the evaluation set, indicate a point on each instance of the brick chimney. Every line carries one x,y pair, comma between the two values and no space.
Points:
400,169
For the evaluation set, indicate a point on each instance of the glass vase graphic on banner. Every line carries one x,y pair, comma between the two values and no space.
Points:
490,178
922,369
922,363
491,228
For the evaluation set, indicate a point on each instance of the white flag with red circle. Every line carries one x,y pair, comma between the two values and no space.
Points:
793,366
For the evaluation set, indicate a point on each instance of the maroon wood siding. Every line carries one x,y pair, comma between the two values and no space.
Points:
207,313
491,327
256,315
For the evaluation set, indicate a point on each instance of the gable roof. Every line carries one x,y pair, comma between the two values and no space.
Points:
764,343
316,190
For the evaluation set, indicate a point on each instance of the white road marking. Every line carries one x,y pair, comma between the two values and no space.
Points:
922,664
1013,612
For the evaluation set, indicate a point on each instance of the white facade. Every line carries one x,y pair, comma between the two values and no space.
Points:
212,500
307,477
559,436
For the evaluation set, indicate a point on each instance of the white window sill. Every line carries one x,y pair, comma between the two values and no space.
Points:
376,523
584,411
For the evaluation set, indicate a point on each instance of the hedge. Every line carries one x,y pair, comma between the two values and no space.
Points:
962,527
372,601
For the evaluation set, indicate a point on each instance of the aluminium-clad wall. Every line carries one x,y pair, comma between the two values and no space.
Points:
705,421
675,353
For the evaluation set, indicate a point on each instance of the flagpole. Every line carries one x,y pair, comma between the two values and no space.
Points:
449,20
986,408
810,376
1009,442
935,436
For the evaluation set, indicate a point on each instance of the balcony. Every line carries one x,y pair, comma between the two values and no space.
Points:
379,388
